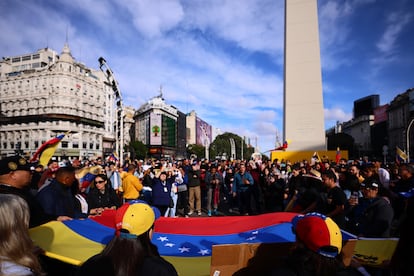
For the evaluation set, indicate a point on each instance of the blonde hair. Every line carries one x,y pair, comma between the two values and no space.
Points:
15,243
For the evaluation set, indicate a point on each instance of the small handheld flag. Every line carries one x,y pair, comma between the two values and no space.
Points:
45,152
401,155
338,155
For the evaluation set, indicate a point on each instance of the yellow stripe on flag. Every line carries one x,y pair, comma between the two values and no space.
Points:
47,154
63,244
401,154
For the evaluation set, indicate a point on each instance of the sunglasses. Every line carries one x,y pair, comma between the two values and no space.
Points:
100,182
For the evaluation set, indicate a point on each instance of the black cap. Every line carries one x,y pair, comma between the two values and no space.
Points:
15,163
370,185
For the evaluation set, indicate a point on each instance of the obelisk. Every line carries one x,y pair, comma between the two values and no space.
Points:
303,99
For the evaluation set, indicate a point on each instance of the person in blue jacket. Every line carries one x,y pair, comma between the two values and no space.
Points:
242,186
56,198
161,191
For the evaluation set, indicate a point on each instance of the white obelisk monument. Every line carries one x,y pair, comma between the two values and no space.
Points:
303,99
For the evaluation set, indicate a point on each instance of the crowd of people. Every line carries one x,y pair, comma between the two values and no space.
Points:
363,197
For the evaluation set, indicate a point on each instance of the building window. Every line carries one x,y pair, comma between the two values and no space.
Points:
65,144
16,59
4,145
97,146
84,145
36,56
26,58
90,145
36,144
75,145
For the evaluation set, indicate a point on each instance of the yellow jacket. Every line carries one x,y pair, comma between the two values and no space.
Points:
131,186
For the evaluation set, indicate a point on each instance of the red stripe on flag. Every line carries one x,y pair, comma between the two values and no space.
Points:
45,145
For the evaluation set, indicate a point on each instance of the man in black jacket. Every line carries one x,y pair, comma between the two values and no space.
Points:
372,217
15,177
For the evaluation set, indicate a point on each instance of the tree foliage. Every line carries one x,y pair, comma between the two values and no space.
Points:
138,150
197,150
221,147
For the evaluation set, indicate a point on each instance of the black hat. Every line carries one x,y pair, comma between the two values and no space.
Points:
15,163
369,185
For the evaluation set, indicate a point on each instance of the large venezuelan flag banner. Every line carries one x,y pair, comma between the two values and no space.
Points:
185,242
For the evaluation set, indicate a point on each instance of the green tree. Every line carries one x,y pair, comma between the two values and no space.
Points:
138,150
198,150
221,147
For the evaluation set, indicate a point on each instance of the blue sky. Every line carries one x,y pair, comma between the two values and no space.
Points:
223,58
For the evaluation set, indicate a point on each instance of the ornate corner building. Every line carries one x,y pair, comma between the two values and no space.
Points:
44,94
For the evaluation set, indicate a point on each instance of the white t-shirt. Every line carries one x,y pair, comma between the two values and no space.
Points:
384,177
11,268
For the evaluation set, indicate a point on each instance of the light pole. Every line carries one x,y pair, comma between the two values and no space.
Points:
119,122
232,149
206,141
408,139
242,142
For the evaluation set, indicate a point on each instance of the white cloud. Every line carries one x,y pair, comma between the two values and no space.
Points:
253,25
396,22
334,34
336,114
154,18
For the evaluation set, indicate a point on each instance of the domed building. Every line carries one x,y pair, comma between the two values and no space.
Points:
44,94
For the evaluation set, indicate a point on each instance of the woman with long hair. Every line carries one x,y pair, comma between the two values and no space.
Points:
131,251
102,196
16,247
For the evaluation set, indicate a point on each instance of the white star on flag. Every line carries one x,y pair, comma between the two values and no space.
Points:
184,249
203,252
169,244
255,232
162,239
251,238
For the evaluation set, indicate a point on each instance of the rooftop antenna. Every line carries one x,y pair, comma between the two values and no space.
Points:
66,34
160,91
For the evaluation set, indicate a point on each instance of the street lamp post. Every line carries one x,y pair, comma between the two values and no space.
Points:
232,149
119,124
242,144
408,139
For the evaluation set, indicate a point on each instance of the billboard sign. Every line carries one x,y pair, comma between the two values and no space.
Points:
155,129
203,132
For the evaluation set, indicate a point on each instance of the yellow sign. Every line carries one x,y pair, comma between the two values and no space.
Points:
299,156
375,252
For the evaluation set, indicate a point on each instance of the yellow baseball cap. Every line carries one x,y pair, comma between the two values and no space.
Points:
134,218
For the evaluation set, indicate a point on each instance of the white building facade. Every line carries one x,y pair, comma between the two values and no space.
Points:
44,94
